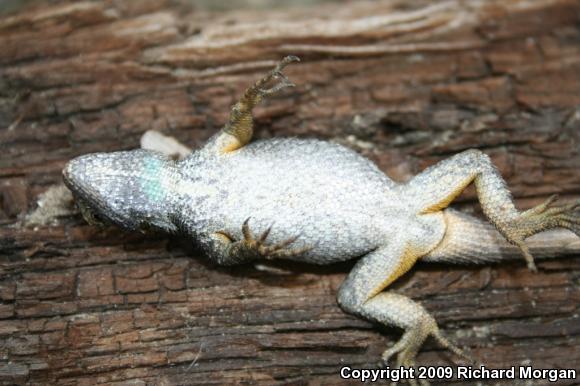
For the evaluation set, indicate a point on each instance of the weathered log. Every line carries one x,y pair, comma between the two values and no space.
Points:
404,83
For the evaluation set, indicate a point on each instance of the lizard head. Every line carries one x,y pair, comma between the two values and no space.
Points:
127,188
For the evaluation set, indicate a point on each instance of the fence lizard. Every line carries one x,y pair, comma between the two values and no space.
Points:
317,202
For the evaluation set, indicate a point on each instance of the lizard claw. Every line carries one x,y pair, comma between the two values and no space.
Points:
407,347
547,215
258,246
276,73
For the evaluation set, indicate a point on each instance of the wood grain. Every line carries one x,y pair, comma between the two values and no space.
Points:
406,83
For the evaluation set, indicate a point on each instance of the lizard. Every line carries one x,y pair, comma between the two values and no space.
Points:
318,202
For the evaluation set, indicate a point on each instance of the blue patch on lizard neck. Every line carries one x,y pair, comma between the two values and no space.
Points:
152,174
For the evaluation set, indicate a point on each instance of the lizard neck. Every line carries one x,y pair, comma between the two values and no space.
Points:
159,196
197,191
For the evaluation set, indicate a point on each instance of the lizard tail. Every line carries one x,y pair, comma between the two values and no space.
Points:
469,240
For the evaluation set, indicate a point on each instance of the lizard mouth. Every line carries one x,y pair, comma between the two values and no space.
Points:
71,180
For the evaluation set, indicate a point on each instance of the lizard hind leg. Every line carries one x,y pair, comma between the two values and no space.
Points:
361,294
435,188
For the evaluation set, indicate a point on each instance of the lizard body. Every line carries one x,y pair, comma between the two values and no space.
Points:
316,202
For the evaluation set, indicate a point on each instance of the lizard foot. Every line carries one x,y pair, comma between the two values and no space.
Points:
276,73
257,247
547,215
407,347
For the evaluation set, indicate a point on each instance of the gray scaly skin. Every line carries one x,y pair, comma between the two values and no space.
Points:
317,202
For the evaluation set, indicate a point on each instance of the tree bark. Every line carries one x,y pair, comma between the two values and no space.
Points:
406,83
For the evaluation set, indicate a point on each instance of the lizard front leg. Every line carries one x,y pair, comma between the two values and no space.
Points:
361,294
225,250
240,127
437,186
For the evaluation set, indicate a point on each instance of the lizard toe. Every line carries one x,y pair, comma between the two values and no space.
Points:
249,245
547,215
446,344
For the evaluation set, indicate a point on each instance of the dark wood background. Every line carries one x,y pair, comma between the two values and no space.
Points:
406,83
